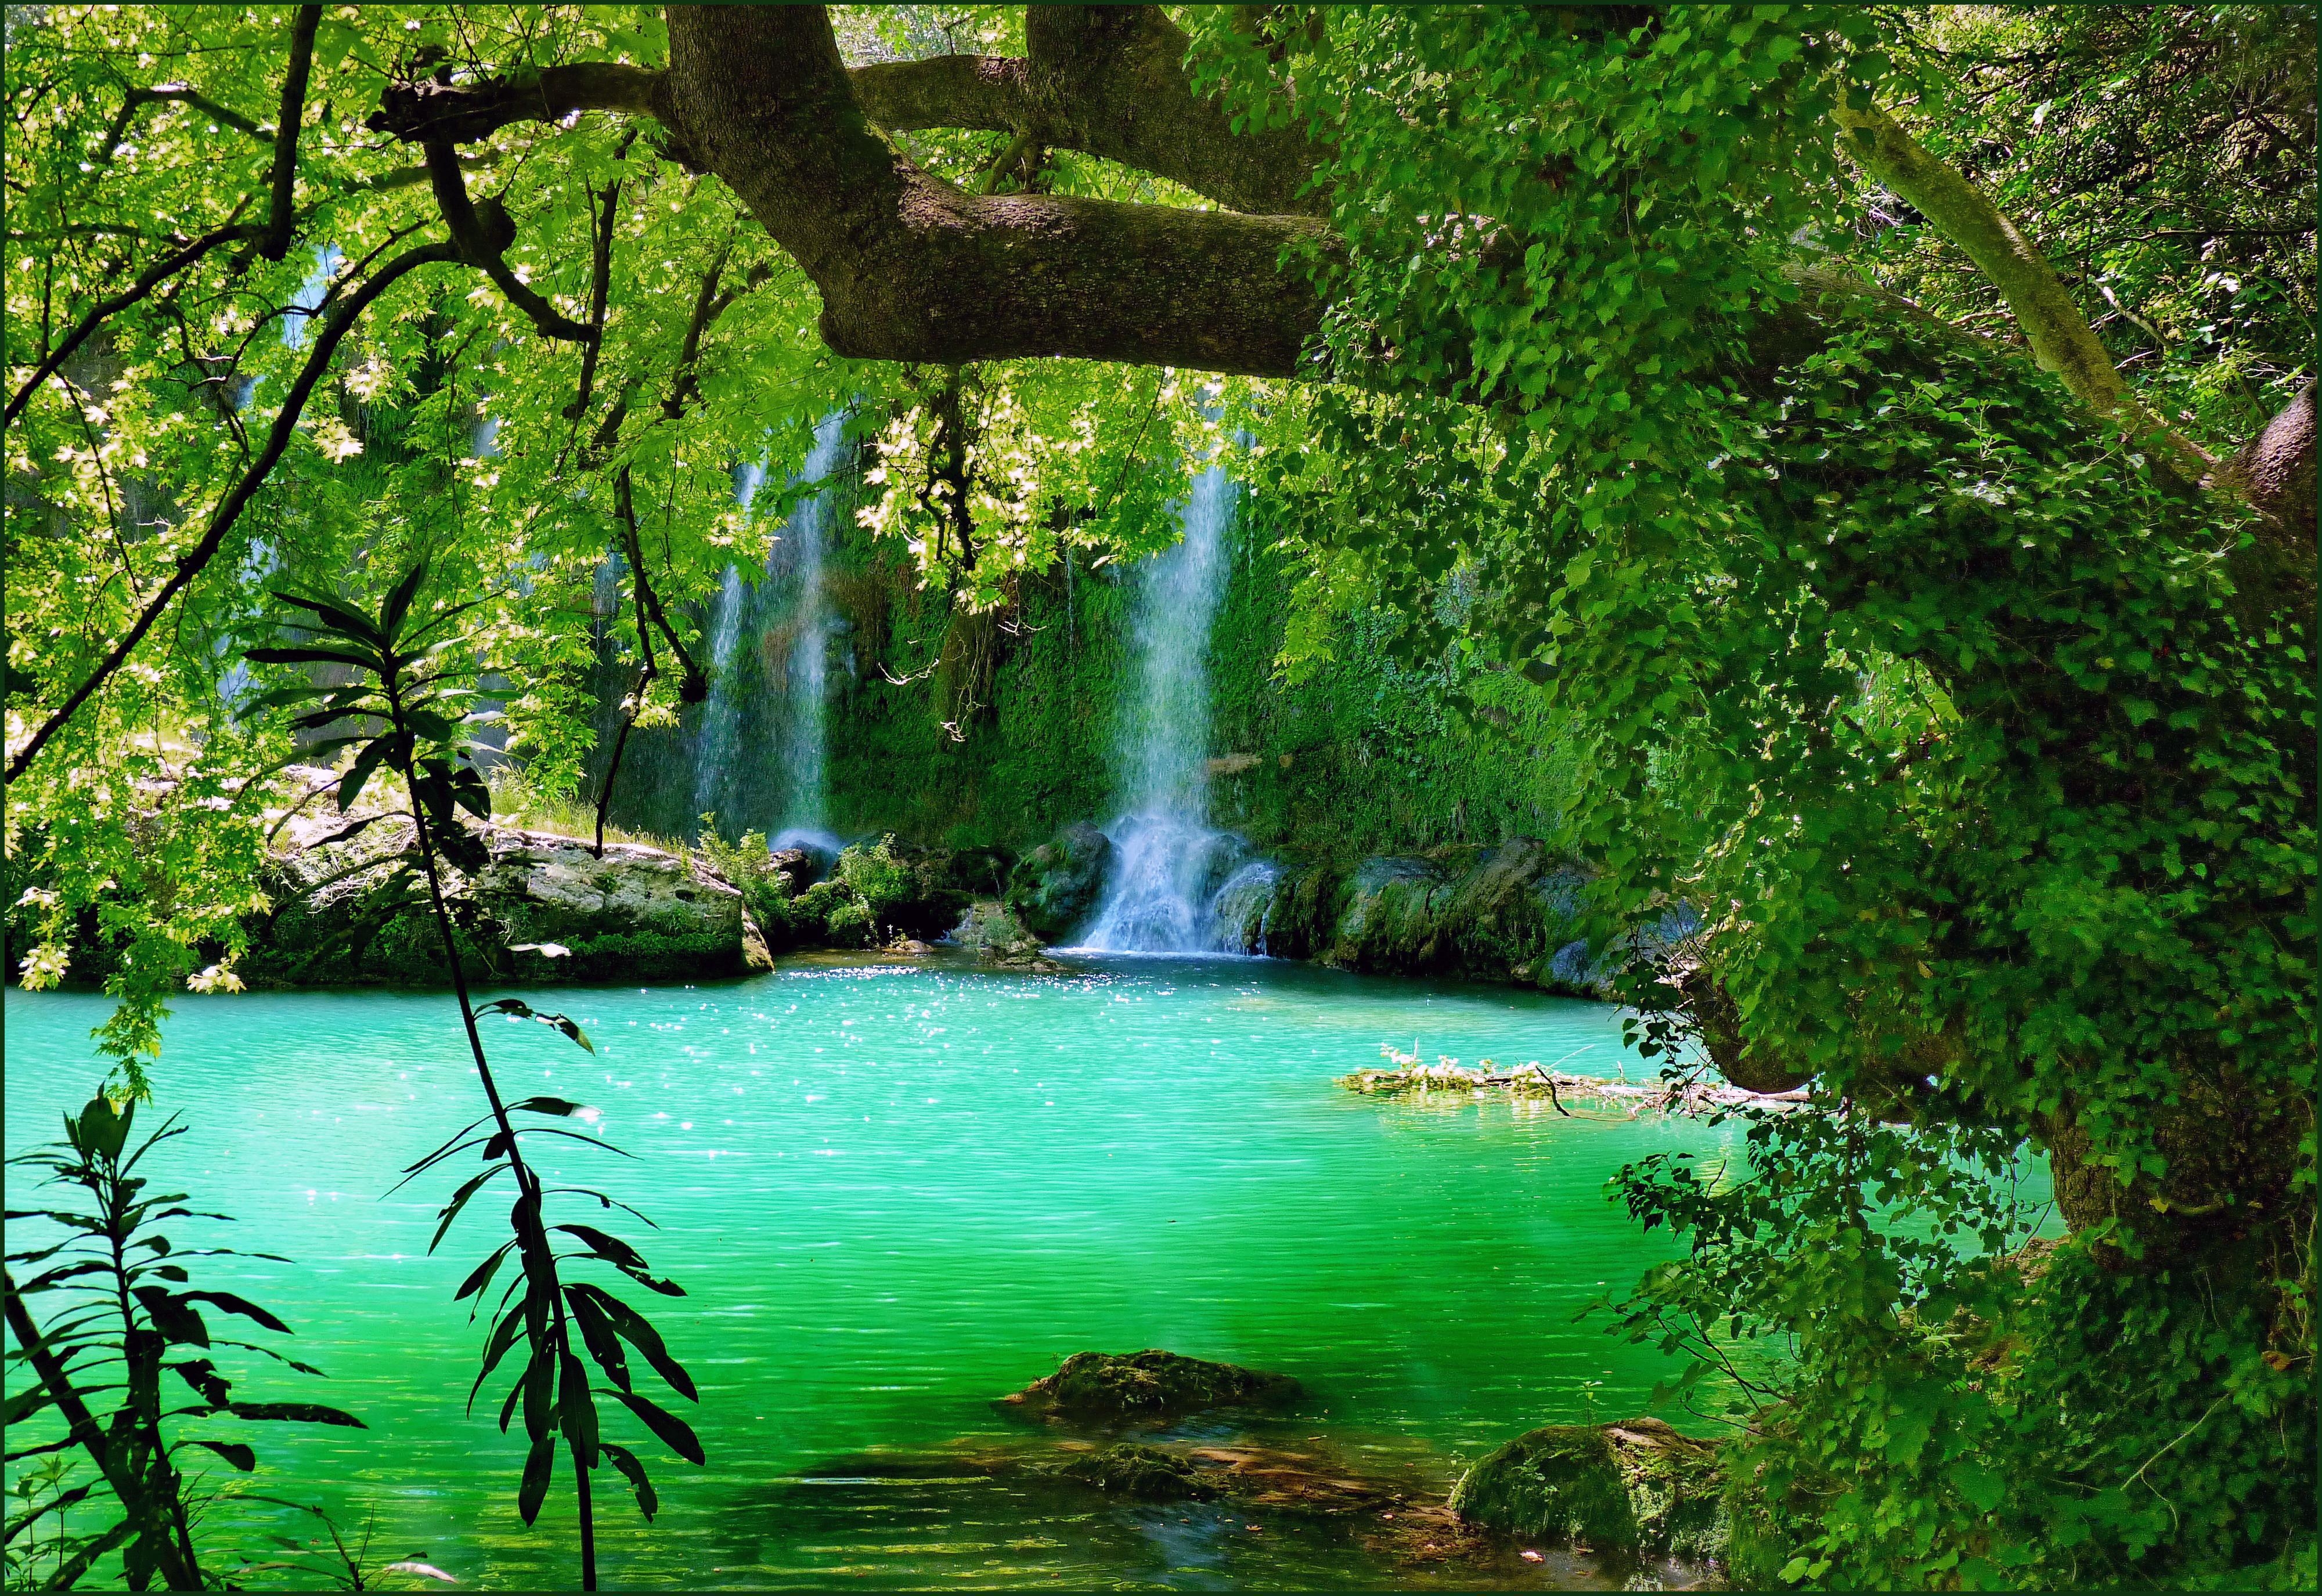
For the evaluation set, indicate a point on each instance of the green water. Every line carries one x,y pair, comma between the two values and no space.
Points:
892,1195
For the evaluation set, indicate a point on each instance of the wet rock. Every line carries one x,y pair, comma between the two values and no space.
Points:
1387,919
1636,1488
1511,912
1150,1384
1057,885
544,909
1147,1473
994,931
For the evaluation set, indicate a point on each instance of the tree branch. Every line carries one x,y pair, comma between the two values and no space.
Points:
483,239
600,276
913,269
461,113
1109,81
693,687
2052,325
285,185
278,439
153,277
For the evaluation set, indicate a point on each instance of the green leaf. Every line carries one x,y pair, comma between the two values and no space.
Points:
559,1105
169,1315
674,1432
633,1327
398,602
290,1413
351,785
242,1457
315,656
482,1275
539,1464
336,617
575,1412
1979,1484
233,1304
451,1211
626,1462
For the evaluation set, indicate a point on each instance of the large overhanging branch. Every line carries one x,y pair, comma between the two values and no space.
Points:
1105,80
914,268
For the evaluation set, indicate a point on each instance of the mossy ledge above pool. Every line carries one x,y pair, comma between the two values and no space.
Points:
545,908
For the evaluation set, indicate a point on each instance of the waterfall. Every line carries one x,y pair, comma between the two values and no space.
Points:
786,618
713,748
806,813
1173,870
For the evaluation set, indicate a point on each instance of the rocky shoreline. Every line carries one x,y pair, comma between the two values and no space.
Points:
1633,1505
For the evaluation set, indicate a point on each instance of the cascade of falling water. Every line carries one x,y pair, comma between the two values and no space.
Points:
806,815
1165,888
792,594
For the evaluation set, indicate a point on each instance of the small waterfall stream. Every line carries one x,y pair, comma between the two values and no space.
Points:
1175,872
785,619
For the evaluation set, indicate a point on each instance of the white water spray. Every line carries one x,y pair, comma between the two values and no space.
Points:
1174,870
723,777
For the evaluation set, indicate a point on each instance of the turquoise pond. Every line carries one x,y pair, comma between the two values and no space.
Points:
894,1193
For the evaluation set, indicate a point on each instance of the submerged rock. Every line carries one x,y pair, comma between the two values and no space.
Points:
1147,1473
544,909
1057,885
1150,1384
1637,1487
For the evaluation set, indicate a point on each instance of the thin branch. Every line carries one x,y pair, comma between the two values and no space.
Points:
600,272
286,422
694,687
153,277
483,237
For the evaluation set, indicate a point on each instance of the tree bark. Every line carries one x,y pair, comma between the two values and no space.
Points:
1106,80
2052,324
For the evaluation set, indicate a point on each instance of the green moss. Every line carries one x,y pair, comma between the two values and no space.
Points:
1147,1473
1636,1488
1362,757
1150,1384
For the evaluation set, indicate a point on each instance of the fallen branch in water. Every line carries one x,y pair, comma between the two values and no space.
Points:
1408,1075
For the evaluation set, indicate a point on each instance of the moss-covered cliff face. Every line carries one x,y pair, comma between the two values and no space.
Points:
1003,728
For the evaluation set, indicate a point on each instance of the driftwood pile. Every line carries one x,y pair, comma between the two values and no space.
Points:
1407,1076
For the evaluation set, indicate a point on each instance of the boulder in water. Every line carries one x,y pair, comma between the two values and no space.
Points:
1150,1384
1058,884
544,908
1637,1487
1145,1473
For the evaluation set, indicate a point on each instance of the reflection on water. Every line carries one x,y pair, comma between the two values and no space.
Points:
892,1195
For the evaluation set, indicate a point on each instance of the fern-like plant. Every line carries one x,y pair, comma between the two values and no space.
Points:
126,1318
412,698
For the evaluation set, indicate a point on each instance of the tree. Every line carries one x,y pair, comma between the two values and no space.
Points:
1955,665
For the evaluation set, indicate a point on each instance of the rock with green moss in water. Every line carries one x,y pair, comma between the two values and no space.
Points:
1145,1473
347,909
1637,1487
1057,885
1150,1384
998,937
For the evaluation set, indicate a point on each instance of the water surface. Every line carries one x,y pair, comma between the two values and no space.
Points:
892,1195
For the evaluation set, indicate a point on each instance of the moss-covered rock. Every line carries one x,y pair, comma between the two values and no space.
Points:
1145,1473
1637,1487
1057,885
1150,1384
544,909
